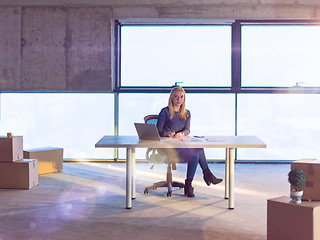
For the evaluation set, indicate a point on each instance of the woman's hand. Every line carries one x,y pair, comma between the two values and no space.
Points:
179,135
169,133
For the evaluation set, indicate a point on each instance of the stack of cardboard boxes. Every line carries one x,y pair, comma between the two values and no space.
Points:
16,172
287,220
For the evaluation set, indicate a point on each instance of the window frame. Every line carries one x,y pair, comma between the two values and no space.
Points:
236,26
236,87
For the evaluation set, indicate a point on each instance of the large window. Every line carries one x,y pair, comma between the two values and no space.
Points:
74,122
280,56
211,114
163,55
241,79
288,123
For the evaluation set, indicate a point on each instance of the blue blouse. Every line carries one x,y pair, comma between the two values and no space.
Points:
175,124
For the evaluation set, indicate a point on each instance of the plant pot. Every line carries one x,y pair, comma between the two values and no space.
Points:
296,196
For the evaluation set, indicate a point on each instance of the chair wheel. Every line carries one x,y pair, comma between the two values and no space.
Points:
146,191
169,194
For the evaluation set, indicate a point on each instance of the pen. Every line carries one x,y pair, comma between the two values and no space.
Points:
168,129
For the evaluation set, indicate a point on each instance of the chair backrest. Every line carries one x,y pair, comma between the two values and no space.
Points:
151,119
158,155
152,154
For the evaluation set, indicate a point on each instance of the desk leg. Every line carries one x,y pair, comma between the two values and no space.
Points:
133,174
231,178
226,178
129,174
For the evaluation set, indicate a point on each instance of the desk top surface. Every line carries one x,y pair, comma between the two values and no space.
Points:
110,141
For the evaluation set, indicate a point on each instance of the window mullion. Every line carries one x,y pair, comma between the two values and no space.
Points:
236,57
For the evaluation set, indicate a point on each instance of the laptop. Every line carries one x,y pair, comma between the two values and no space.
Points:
147,131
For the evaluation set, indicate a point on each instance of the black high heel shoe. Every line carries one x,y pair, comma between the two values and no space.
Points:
209,178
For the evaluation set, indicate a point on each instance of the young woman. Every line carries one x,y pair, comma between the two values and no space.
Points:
174,121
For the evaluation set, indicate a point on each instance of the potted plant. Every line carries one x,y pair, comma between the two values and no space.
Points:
296,178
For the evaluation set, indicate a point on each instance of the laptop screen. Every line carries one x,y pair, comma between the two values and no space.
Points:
147,131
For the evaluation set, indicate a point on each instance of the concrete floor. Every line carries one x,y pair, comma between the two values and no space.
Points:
87,201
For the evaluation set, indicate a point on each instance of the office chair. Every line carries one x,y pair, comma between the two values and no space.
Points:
161,155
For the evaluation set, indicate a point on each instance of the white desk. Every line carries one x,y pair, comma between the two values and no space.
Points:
227,142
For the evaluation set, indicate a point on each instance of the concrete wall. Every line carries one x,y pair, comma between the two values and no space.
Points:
66,45
55,49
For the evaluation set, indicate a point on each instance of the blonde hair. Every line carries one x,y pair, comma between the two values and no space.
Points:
183,113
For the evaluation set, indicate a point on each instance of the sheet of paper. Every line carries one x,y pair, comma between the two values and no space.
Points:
214,139
191,139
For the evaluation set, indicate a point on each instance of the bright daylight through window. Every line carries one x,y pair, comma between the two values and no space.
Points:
200,56
163,55
280,56
67,120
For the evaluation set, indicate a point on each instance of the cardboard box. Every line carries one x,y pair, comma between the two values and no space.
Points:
286,220
11,149
50,159
21,174
311,188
